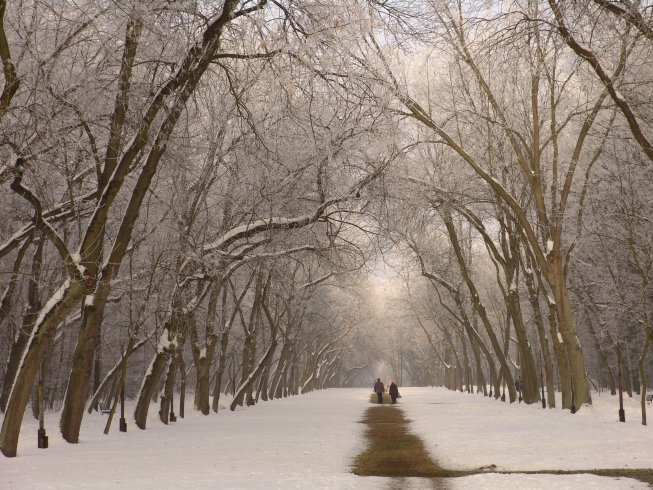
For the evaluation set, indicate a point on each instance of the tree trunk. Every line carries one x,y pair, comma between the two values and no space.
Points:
182,385
561,358
22,336
217,387
169,388
202,385
68,295
249,347
544,344
481,385
478,306
467,380
249,396
165,349
255,373
114,373
82,368
276,387
529,375
150,382
578,375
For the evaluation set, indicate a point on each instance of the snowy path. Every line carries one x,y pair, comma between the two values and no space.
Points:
465,431
310,441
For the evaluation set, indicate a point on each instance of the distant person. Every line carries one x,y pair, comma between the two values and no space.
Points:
394,391
379,389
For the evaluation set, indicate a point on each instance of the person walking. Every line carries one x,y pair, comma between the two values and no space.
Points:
394,391
379,389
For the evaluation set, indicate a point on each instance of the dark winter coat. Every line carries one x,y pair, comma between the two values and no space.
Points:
378,387
393,390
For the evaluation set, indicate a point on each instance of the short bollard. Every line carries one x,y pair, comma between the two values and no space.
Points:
123,422
173,417
42,439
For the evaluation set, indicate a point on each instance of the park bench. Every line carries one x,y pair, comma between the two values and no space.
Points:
649,397
105,406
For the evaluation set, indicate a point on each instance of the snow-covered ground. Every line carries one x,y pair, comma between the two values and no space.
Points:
310,441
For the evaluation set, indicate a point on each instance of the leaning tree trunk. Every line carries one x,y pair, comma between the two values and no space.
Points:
478,306
262,386
276,385
157,366
22,336
92,247
115,372
263,363
472,332
66,298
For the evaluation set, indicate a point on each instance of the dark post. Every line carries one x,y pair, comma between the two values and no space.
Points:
518,376
97,364
182,386
182,406
542,384
123,422
173,417
42,438
622,413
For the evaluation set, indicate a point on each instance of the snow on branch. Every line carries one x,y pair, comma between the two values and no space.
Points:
268,224
54,214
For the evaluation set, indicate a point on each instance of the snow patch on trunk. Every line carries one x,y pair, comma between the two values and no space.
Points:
49,306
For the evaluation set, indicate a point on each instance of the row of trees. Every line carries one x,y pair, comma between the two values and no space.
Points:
532,165
169,183
191,180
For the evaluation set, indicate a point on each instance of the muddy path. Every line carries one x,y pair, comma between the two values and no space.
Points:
395,452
